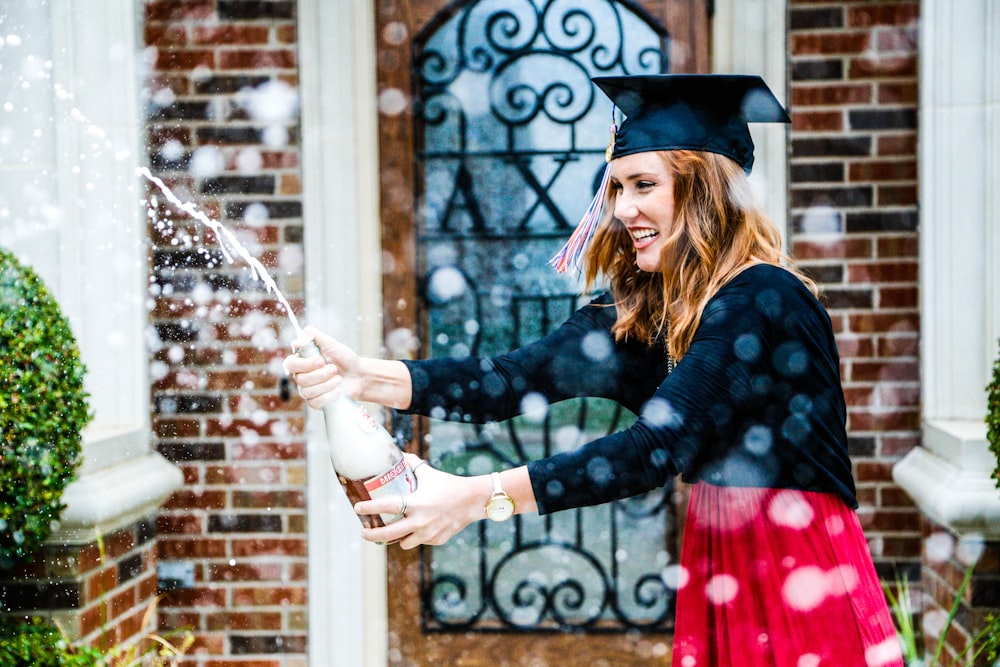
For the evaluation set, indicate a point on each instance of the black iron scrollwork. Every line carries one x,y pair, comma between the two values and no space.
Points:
510,134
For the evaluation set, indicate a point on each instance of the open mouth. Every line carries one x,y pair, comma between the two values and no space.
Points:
643,237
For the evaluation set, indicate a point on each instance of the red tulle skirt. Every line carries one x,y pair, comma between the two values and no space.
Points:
778,578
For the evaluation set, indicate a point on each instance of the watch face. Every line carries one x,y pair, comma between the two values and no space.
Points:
500,508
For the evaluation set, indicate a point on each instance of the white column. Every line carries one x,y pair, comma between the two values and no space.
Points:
749,37
347,582
949,476
102,258
70,199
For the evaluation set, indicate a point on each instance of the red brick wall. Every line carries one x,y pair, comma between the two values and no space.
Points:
946,564
97,593
220,408
853,197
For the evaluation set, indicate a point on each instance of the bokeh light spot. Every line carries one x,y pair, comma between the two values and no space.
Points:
805,588
722,589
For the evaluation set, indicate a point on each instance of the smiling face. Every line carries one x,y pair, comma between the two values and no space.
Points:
644,204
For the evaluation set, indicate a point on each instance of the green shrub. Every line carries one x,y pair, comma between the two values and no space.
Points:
43,408
990,637
33,642
993,417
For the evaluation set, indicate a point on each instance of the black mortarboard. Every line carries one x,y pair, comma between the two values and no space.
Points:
664,112
704,112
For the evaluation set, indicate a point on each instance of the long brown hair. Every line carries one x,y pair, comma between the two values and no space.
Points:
717,232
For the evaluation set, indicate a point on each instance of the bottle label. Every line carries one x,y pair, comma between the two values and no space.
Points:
397,481
366,422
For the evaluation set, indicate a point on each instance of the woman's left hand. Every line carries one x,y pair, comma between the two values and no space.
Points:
439,509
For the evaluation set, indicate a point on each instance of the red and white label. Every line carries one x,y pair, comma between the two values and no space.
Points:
399,481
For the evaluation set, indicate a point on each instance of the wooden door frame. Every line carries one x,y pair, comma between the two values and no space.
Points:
397,24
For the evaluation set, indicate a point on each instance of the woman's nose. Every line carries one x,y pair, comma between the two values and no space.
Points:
624,208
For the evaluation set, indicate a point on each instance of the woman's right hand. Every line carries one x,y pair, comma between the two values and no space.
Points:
321,378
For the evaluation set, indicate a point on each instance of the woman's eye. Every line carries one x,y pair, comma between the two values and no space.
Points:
644,185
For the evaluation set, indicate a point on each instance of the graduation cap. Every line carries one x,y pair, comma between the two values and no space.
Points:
702,112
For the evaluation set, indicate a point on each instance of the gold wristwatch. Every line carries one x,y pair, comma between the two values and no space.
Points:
500,506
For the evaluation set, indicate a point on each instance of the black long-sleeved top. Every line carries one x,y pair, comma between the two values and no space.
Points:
756,400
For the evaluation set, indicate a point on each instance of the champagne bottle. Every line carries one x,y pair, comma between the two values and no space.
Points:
365,457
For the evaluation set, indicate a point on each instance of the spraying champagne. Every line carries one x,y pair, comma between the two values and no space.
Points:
365,457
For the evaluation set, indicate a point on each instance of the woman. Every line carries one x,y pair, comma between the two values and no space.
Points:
730,361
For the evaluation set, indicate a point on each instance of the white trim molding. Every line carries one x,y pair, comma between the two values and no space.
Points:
115,497
949,476
347,576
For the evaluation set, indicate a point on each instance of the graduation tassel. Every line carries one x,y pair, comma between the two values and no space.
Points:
572,253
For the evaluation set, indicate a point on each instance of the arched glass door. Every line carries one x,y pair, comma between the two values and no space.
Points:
508,137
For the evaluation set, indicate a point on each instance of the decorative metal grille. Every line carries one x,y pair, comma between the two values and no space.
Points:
511,132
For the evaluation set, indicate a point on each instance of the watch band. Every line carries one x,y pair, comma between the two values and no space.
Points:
500,506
